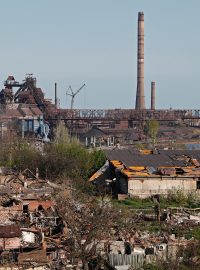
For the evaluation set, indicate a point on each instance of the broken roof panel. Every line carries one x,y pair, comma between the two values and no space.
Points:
163,158
178,153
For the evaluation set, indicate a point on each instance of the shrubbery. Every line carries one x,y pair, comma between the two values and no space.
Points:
178,197
64,157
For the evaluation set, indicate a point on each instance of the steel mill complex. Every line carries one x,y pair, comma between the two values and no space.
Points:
24,108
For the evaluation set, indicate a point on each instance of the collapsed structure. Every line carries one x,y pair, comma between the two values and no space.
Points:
29,220
146,173
33,235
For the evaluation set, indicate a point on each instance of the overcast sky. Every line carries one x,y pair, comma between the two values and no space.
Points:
95,42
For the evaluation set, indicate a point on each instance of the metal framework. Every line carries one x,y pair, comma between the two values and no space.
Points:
123,114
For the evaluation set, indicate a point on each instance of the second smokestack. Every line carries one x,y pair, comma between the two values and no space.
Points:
153,95
56,97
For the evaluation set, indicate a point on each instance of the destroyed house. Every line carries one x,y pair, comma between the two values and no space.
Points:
146,173
30,226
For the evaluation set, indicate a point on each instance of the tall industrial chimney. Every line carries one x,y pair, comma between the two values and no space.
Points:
140,99
153,95
56,98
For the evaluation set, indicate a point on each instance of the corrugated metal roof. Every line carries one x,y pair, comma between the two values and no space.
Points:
179,153
168,158
123,155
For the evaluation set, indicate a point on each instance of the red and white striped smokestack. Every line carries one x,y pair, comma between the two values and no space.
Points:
153,95
140,99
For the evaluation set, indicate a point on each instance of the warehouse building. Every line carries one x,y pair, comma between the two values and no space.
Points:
146,173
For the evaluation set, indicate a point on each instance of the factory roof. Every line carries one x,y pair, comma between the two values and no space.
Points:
147,163
19,111
162,158
95,132
175,154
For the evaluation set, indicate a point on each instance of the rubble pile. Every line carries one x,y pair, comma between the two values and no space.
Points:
33,234
30,227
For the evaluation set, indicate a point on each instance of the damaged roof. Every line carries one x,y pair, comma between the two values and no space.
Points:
162,158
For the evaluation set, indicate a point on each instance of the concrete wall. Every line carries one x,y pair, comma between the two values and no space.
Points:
145,187
10,243
135,260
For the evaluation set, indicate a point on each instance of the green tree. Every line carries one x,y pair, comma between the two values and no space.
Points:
25,155
61,135
151,129
65,157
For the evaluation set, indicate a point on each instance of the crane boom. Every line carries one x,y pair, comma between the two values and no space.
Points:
73,94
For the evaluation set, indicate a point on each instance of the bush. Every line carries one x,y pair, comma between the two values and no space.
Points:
180,198
177,196
24,156
71,160
64,158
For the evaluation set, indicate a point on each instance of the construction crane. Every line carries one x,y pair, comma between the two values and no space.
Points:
72,94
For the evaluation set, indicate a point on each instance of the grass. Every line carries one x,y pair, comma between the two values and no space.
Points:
174,199
195,232
136,203
153,226
177,199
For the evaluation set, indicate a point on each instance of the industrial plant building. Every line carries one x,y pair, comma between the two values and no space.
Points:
24,109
